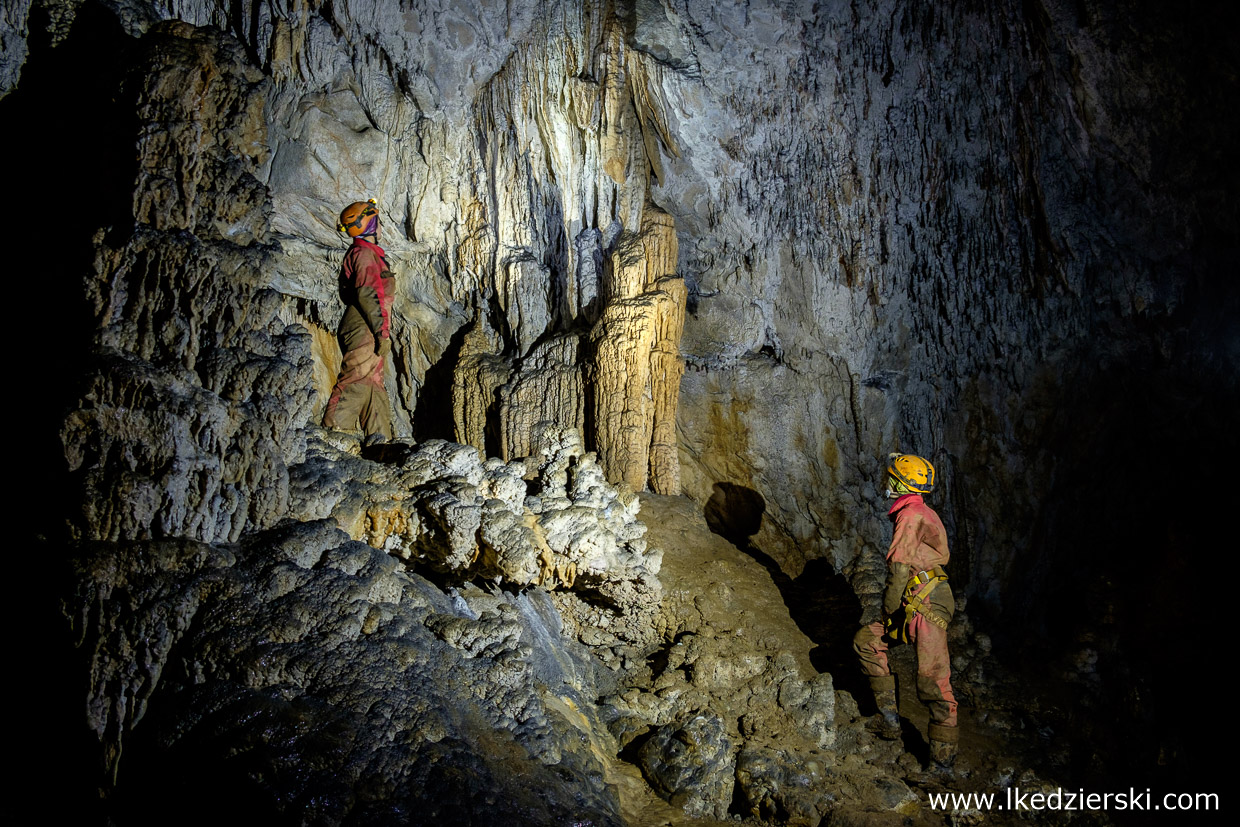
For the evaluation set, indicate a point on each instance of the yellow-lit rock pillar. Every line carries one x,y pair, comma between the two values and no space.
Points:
636,366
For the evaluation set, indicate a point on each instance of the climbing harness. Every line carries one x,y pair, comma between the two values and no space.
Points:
916,603
912,604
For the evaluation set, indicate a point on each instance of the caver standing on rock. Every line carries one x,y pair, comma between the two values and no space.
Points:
359,399
917,606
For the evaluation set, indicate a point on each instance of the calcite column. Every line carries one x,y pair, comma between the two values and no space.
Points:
620,388
548,389
636,367
577,262
666,369
479,373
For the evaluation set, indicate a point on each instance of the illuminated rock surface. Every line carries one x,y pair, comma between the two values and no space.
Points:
737,250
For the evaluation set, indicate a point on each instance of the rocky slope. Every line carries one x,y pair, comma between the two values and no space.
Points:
322,680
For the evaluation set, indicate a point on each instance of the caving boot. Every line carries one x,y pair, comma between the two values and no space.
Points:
943,741
887,724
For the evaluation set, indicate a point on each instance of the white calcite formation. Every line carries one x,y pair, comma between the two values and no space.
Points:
550,520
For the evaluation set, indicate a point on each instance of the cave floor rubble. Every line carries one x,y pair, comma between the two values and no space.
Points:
717,710
1010,738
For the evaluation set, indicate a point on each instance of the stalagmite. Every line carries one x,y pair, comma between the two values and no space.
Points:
667,366
480,372
547,390
579,260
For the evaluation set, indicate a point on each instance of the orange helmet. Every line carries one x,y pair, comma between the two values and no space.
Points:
912,472
356,218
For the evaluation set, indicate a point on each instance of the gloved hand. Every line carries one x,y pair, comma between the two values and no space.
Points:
895,627
383,348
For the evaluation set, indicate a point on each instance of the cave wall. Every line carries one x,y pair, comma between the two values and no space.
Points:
915,245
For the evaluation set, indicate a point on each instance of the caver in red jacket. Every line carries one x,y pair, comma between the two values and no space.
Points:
918,545
359,399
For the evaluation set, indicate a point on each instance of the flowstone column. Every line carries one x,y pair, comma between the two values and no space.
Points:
573,258
636,366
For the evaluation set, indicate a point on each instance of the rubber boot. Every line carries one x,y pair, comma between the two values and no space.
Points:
943,740
887,725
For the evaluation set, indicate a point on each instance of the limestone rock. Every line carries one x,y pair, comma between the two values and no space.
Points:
692,765
726,674
200,388
13,35
546,392
314,674
1002,237
556,260
440,505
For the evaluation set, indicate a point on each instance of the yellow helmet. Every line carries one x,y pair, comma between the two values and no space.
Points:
913,473
356,220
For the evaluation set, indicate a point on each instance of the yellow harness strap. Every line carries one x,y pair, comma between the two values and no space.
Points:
917,603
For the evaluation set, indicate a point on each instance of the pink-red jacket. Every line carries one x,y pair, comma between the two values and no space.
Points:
919,543
366,287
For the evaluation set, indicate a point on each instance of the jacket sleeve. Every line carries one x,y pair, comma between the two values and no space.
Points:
900,560
897,578
370,298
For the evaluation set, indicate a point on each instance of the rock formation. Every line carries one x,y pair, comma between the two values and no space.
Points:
577,264
735,250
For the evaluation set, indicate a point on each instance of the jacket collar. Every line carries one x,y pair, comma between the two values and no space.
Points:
358,241
904,502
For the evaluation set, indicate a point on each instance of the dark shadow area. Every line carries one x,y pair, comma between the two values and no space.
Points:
165,771
734,512
1115,611
825,607
432,417
69,137
820,601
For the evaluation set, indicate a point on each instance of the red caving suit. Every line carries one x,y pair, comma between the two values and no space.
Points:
359,399
919,544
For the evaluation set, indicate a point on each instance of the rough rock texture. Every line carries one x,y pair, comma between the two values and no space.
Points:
733,671
911,245
194,411
314,677
551,521
561,236
693,765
